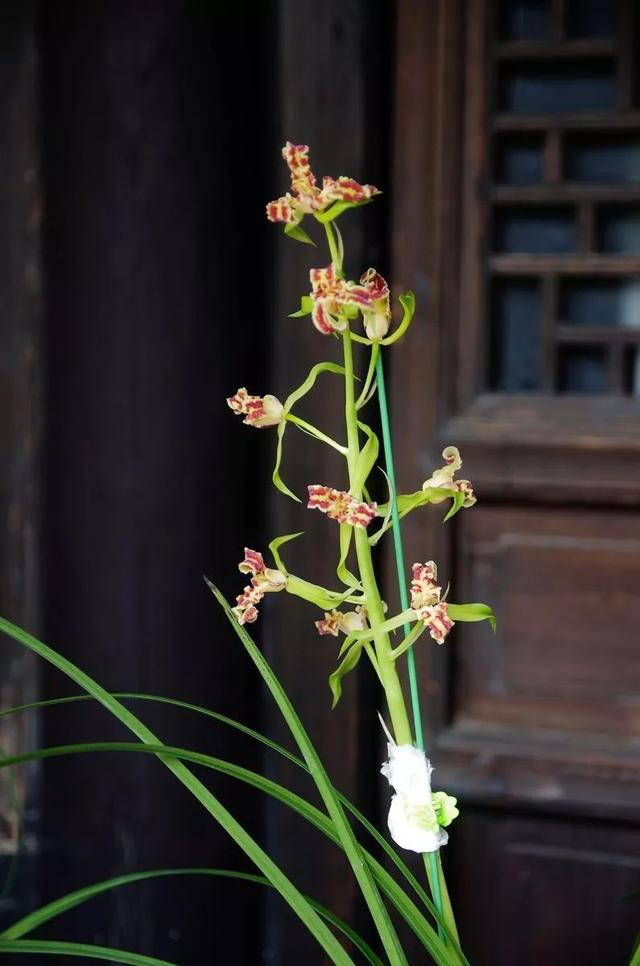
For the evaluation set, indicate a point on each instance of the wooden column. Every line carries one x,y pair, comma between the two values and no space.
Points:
153,133
20,407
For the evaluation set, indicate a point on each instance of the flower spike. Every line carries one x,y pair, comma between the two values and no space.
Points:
306,197
444,478
259,411
340,506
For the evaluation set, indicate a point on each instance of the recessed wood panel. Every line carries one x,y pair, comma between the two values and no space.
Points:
543,891
565,655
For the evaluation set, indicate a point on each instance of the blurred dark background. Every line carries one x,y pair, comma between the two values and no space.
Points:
140,284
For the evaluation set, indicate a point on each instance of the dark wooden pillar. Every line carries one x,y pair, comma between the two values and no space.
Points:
152,133
20,415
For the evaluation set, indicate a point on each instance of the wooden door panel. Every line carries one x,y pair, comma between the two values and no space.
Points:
565,588
556,893
516,197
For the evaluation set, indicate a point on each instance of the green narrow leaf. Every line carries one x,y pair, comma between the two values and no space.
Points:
274,548
343,572
73,899
289,402
314,594
273,746
278,482
386,510
85,950
366,458
234,829
338,208
158,699
379,914
408,303
472,612
298,234
410,501
309,382
347,664
310,813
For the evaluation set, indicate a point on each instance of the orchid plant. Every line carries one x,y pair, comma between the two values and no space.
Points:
353,612
361,312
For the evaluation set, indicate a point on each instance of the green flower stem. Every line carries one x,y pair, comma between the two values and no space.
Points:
366,389
312,431
333,248
375,611
409,640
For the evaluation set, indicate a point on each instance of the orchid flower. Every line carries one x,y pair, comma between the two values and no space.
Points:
335,621
259,411
264,580
377,313
340,506
426,601
306,197
444,478
330,294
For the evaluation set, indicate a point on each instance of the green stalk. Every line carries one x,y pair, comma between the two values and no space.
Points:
388,674
375,611
317,433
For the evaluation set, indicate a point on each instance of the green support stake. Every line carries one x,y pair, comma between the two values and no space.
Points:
404,601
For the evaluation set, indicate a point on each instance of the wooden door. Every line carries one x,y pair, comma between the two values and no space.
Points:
517,219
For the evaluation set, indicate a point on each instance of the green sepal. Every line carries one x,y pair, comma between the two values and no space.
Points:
306,307
472,612
349,311
278,542
299,234
347,664
366,458
408,302
289,402
324,217
458,501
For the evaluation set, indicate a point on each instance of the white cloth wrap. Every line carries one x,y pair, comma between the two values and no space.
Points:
412,820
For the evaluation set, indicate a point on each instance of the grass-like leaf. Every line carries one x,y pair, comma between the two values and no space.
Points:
289,402
390,852
267,866
352,849
73,899
83,950
405,906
